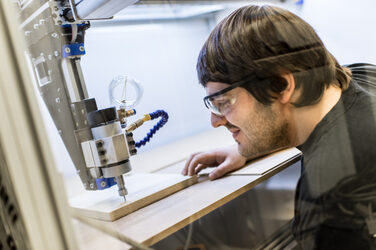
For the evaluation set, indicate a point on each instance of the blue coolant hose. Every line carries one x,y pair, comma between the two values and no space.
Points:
160,124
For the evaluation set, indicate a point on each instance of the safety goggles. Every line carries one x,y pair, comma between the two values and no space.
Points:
221,102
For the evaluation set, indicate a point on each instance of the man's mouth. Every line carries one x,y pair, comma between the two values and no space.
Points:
235,132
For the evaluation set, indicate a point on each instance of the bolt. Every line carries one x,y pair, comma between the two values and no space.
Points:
103,184
57,100
82,48
92,185
133,151
42,21
36,26
27,33
56,53
50,57
100,144
67,50
55,35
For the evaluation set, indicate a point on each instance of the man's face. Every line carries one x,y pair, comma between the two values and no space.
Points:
257,128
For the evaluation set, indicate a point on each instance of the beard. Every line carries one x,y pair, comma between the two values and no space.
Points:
266,131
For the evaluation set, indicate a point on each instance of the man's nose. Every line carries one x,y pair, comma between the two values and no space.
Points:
217,120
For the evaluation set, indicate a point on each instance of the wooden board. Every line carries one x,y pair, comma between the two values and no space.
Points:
269,162
166,216
143,189
258,166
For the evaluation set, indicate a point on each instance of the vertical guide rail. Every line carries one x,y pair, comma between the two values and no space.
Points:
59,80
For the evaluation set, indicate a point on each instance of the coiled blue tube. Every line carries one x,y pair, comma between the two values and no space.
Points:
160,124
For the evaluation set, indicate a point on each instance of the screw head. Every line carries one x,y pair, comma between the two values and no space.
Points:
67,50
100,144
133,151
82,48
103,183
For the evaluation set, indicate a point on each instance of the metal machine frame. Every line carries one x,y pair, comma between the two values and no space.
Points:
54,33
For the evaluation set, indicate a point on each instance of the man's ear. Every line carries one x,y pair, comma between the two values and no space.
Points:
286,95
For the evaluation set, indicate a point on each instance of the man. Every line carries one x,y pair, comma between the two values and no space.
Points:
272,83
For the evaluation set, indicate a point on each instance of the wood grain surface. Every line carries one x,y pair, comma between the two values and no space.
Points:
143,189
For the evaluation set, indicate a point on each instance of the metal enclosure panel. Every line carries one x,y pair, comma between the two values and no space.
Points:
37,186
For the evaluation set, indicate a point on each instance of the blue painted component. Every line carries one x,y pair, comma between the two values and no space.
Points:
160,124
75,49
299,2
104,183
69,25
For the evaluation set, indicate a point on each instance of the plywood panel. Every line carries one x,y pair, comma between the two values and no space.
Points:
160,219
258,166
143,189
269,162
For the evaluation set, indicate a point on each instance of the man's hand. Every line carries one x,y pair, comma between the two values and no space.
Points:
225,160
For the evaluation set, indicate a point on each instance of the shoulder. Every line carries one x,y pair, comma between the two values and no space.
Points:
362,68
364,75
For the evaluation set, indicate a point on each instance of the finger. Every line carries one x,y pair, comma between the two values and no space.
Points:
220,171
201,167
185,169
203,158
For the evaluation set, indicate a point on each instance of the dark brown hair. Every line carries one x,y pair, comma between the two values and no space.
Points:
261,43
